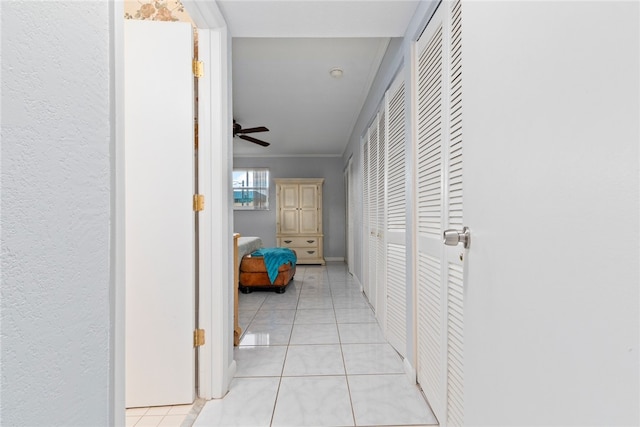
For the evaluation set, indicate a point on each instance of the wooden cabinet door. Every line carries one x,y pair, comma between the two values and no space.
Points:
289,213
308,208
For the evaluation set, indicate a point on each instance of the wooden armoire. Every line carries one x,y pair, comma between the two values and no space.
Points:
299,217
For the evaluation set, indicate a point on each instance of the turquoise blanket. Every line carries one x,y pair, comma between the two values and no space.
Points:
274,258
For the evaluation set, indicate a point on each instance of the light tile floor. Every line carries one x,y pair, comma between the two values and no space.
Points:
158,416
315,356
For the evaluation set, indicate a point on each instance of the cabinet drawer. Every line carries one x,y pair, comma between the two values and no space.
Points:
299,242
306,253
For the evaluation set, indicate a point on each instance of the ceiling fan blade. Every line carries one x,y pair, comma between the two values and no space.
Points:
254,140
253,130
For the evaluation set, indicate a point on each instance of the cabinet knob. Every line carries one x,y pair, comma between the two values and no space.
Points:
311,252
310,241
287,241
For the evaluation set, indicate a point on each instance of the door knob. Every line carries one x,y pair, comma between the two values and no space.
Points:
453,237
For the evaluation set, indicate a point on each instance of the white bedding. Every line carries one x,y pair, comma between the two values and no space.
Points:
246,245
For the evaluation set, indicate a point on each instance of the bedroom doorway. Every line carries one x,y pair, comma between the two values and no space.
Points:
216,364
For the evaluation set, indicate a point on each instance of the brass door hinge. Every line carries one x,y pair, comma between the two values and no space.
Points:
198,337
198,202
198,68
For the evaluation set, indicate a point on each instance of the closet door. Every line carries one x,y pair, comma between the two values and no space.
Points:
395,214
160,237
381,256
440,272
455,274
431,314
371,284
366,203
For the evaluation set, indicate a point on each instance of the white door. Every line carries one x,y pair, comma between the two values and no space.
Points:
440,272
395,217
160,367
373,144
552,199
381,193
366,206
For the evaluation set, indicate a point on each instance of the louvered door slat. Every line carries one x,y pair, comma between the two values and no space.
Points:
396,311
396,298
455,273
429,212
370,285
380,285
429,329
396,180
455,347
365,208
430,136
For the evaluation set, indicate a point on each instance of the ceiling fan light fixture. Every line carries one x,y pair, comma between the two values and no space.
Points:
336,73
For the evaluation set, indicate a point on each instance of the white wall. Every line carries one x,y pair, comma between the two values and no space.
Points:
551,125
55,214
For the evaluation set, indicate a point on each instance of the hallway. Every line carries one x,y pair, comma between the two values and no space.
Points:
315,356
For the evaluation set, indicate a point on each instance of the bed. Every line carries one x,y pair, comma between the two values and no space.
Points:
246,245
241,247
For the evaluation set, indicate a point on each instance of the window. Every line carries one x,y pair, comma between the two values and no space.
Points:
251,189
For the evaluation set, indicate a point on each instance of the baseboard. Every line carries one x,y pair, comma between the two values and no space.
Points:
355,278
411,373
233,367
334,258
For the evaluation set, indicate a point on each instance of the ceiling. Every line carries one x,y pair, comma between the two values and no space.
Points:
282,54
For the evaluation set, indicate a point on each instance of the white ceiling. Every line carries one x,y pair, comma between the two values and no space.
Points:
282,54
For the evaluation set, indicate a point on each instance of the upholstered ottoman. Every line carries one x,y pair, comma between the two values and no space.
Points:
254,274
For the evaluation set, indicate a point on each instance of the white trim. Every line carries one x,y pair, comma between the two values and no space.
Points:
219,319
205,359
334,258
355,278
410,371
205,14
118,264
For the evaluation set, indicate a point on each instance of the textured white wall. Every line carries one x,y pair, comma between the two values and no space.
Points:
55,213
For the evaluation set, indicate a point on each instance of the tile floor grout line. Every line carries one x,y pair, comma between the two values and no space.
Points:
284,361
344,363
315,290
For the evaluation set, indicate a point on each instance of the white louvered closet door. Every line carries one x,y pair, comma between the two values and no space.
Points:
381,258
371,283
365,208
440,269
395,207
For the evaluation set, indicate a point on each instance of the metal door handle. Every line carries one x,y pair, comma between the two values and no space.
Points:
453,237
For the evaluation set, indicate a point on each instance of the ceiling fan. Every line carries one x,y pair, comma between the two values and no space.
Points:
240,133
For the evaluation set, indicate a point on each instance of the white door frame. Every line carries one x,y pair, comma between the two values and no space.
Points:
217,367
348,179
